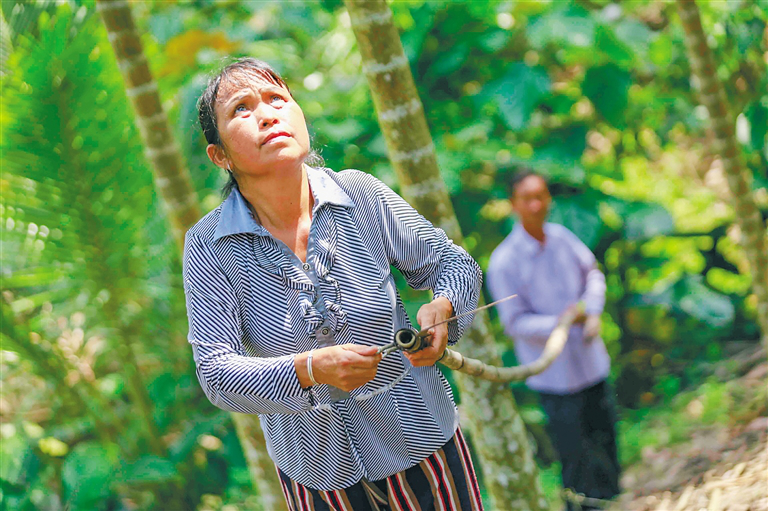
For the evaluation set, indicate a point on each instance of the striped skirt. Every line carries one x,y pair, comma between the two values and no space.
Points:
444,481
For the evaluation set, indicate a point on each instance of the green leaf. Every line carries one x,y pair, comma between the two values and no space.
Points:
148,469
757,113
87,473
32,277
413,38
703,303
181,448
340,131
660,51
646,220
13,452
565,145
12,489
451,164
166,24
617,52
519,93
748,34
580,215
451,60
607,87
634,34
565,26
494,40
69,143
691,296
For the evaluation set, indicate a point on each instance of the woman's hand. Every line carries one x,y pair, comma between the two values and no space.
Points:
436,311
346,366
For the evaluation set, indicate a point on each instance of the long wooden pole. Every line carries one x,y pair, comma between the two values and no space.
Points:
554,347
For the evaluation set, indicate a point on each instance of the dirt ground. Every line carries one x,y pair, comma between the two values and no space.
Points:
719,469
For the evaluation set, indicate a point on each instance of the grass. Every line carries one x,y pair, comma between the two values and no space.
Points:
549,477
712,403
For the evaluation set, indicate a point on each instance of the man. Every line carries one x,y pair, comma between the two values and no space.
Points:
549,268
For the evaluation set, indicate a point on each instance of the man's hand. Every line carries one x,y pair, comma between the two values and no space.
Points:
436,311
580,316
592,326
346,366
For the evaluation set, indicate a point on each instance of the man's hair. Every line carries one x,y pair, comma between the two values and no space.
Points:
520,173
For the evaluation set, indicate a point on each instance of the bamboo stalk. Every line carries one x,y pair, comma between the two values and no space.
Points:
554,347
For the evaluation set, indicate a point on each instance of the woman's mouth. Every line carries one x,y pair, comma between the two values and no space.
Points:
274,135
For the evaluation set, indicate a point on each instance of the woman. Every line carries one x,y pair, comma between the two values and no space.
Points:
289,295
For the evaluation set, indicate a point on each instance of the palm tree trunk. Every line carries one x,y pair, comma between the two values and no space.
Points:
753,229
5,45
177,193
498,432
170,172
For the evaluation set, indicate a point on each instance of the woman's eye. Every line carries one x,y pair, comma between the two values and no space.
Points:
277,98
240,108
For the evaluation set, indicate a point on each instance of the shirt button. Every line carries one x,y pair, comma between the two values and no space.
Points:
326,331
306,266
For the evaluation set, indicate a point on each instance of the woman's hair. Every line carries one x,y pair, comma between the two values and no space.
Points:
236,73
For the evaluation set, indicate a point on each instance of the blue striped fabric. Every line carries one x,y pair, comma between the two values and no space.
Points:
252,304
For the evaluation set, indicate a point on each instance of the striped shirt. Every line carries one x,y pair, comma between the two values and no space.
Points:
252,304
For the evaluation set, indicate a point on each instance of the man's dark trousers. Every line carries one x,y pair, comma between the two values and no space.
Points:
583,428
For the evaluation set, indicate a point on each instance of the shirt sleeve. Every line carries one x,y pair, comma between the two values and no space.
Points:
232,380
427,258
594,289
516,315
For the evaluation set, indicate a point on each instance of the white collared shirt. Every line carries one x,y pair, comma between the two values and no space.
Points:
547,277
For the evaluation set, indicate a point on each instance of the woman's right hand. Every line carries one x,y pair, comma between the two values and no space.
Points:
346,366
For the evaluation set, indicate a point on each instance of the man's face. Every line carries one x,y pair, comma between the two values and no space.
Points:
531,201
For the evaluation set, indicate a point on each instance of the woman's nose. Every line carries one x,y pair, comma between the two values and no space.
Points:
268,116
267,121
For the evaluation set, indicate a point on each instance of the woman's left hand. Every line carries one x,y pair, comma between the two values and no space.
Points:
436,311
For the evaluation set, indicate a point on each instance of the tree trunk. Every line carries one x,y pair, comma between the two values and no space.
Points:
753,229
178,196
170,172
498,433
5,45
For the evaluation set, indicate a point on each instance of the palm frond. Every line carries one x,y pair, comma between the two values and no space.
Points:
78,207
77,190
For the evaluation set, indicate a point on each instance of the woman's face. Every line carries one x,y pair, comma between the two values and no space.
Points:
260,125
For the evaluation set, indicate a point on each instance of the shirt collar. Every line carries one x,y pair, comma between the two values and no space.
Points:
236,218
527,243
326,190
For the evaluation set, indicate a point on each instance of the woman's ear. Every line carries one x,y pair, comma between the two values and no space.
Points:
216,155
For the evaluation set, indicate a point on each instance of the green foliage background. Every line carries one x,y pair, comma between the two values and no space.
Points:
100,406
